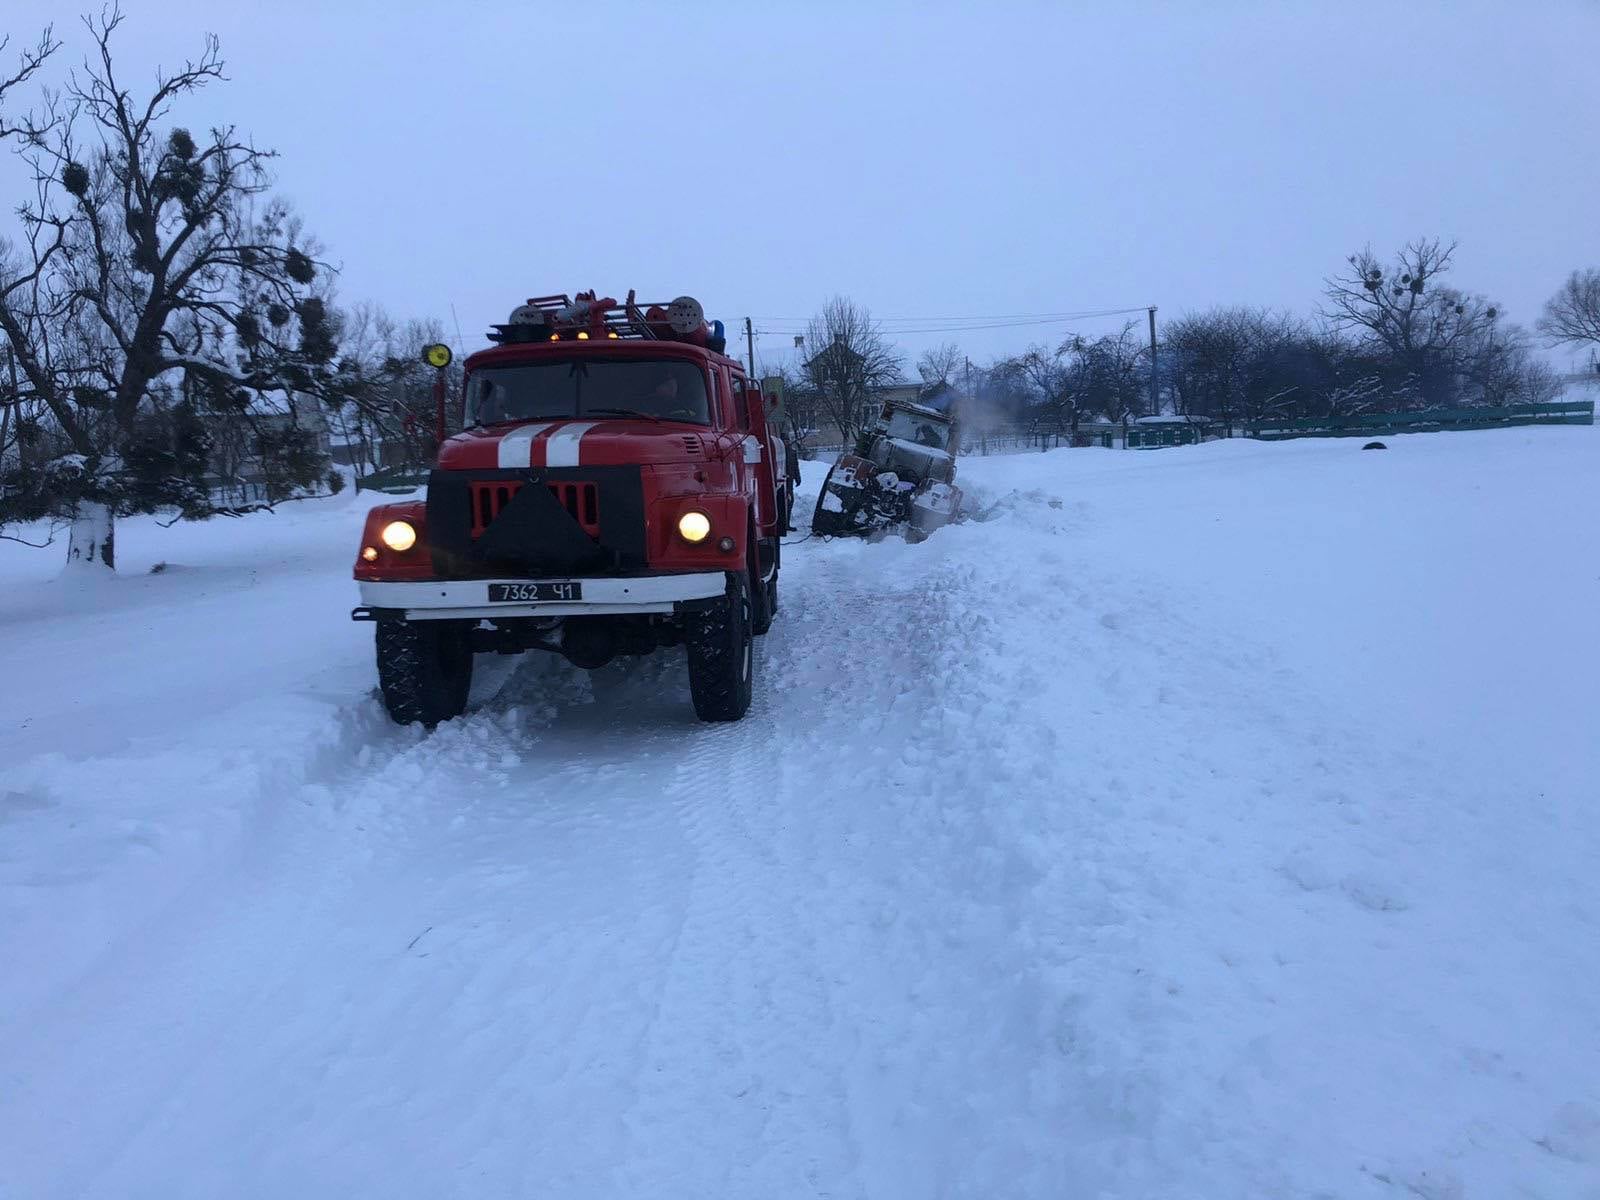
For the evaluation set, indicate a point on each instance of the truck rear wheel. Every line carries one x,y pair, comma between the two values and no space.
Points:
721,643
424,670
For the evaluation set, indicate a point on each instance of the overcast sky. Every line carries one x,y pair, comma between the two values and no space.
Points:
929,161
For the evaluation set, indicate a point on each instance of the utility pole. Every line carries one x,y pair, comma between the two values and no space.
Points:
966,387
1155,386
750,346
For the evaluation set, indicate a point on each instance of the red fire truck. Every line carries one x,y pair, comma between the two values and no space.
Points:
615,489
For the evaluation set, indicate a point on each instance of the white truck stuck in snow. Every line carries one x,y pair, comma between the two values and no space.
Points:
901,476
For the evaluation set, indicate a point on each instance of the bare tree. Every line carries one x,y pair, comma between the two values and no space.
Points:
1505,371
849,358
26,305
1109,373
385,410
1572,316
1241,365
29,61
1336,377
158,281
1425,326
801,407
1052,388
941,365
1002,395
1208,360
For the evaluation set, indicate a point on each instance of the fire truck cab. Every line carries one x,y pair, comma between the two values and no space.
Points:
615,489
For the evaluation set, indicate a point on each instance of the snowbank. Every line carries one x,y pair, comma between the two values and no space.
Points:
1212,821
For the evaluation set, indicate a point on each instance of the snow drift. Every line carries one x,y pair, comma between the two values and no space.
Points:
1208,822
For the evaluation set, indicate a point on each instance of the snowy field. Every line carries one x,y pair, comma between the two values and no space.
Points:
1208,822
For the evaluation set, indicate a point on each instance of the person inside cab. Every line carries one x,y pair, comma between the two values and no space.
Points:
666,401
665,396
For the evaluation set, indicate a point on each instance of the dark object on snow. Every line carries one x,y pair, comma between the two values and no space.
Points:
1374,446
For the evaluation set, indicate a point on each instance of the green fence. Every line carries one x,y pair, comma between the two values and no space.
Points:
1366,424
395,481
1150,437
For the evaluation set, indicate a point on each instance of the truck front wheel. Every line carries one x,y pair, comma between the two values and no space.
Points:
721,643
424,670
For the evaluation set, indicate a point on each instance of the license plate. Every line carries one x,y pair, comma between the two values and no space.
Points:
534,593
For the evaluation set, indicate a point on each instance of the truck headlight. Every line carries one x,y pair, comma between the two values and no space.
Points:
694,527
399,536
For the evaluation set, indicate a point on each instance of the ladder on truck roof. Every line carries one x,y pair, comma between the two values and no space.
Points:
626,319
589,316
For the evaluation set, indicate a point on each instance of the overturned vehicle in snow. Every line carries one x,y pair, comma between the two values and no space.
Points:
901,477
616,488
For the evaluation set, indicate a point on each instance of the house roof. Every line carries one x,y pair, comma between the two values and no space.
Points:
834,347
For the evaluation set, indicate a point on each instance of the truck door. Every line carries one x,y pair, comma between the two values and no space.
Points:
745,461
768,467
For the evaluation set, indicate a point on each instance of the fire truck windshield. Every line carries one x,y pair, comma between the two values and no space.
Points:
663,389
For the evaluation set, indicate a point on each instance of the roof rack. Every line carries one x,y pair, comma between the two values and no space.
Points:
588,316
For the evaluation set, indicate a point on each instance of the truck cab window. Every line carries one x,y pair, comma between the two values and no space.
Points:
741,411
659,389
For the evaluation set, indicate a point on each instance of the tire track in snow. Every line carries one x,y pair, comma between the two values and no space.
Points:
528,876
739,1063
821,1024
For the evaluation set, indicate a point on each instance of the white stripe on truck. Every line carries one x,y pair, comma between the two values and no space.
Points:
516,447
561,447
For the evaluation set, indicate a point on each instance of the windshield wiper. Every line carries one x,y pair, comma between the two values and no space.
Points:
628,412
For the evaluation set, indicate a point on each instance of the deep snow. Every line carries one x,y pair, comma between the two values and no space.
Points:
1211,822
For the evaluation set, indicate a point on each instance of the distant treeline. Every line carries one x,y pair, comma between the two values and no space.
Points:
1391,337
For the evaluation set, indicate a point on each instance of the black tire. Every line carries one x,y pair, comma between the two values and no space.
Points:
823,522
721,643
424,670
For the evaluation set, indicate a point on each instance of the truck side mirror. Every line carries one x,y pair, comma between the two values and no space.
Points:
757,410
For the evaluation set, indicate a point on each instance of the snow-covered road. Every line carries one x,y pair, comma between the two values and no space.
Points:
1214,822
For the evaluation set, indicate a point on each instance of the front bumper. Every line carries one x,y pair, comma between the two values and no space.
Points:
468,599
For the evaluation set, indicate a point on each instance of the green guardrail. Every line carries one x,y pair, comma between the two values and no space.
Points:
1363,424
1151,437
394,481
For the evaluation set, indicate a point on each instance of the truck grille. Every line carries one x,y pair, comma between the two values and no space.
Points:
581,500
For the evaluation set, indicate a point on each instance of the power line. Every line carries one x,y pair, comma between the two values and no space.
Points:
900,329
789,326
1041,316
